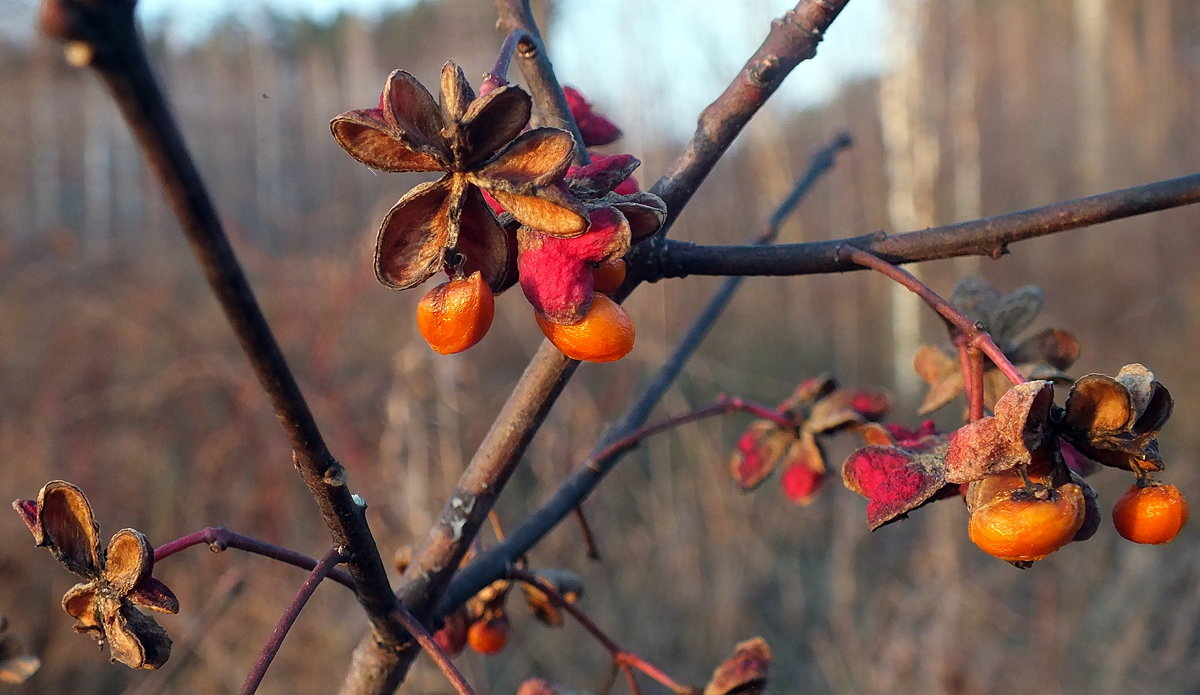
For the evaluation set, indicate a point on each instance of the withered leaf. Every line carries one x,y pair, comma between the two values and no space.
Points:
744,672
896,479
758,452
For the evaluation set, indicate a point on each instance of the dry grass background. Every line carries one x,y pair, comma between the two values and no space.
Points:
119,374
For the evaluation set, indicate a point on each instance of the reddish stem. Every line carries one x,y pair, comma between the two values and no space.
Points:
975,336
624,659
497,77
723,406
331,558
435,652
218,538
972,365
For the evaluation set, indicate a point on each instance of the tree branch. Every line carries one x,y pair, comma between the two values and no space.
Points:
111,45
989,236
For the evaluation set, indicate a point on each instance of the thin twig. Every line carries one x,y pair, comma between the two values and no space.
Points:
516,17
108,30
976,336
621,657
434,650
331,558
218,538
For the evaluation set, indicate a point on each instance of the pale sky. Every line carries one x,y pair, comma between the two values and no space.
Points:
625,46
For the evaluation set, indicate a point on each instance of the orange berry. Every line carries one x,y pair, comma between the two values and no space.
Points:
604,335
488,636
1025,525
609,275
457,314
1153,514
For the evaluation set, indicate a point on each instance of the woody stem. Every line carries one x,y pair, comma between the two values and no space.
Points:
974,334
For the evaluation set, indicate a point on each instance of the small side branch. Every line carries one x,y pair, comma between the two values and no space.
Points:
218,538
327,563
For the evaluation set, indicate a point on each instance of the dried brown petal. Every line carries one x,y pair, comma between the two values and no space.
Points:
403,134
493,120
809,391
456,96
743,673
1152,403
79,603
483,243
1004,440
1100,403
974,297
413,236
538,157
153,594
846,407
135,639
943,375
646,212
15,665
1013,313
130,560
69,529
18,668
1052,346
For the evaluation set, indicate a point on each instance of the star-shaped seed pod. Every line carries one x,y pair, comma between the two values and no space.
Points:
555,271
117,579
818,407
1044,355
478,143
1116,421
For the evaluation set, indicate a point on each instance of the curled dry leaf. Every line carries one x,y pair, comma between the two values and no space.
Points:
743,673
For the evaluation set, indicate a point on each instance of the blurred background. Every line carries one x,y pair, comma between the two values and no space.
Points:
118,373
